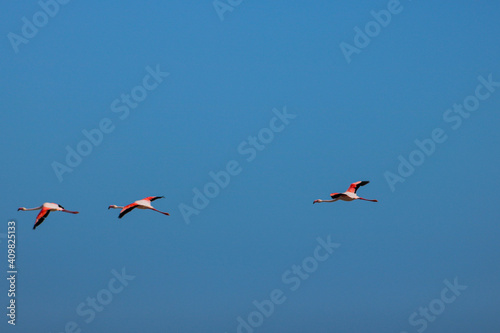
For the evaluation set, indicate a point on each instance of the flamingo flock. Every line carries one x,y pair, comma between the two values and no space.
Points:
48,207
145,203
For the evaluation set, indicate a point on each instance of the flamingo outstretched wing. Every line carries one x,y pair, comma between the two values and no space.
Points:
152,198
336,195
354,186
127,209
41,217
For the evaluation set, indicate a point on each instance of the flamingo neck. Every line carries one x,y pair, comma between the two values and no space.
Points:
319,200
36,208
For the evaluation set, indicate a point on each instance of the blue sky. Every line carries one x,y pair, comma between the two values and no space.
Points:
227,81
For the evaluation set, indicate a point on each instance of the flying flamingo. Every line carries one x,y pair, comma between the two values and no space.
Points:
46,208
348,195
140,204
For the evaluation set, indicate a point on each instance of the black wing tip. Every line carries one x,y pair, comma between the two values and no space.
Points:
122,214
41,219
362,183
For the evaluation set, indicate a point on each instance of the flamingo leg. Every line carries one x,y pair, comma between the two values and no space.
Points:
368,199
156,210
69,211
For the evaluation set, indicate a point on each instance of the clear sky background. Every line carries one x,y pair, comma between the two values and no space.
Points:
353,120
